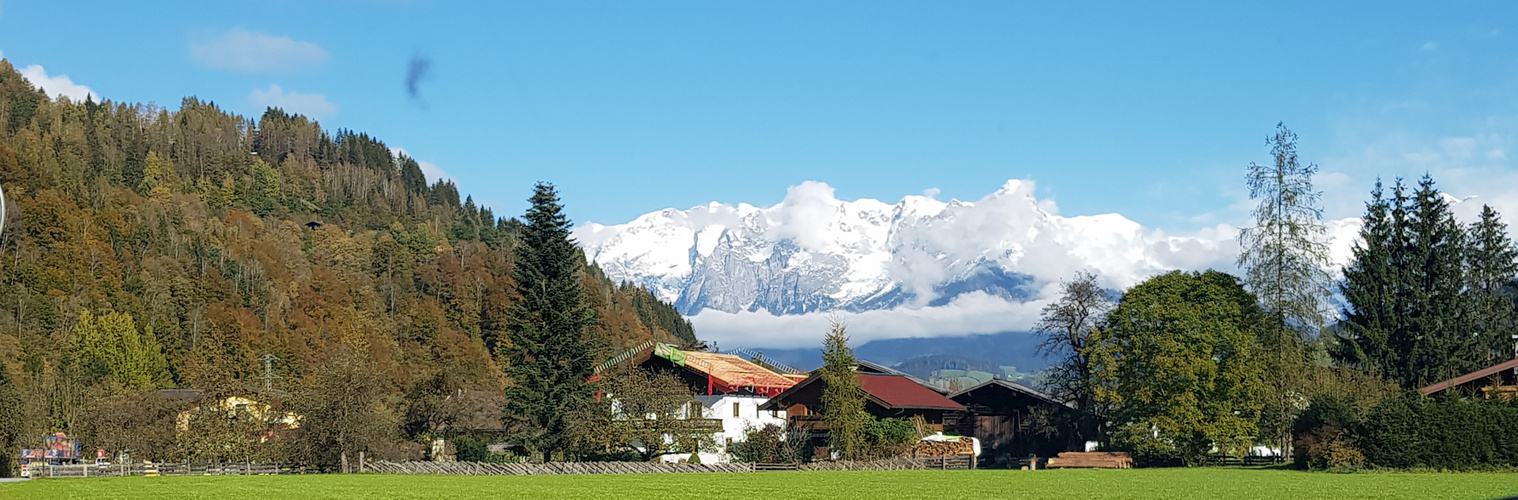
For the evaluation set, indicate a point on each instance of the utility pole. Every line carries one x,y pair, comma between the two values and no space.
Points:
269,375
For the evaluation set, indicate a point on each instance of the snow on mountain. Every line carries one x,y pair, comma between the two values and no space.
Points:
918,267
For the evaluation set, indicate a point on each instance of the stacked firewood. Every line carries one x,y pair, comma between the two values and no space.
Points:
943,448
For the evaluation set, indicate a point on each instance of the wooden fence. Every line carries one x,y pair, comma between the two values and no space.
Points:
1243,461
485,469
165,469
949,462
482,469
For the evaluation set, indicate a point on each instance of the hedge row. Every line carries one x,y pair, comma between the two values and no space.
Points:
1410,432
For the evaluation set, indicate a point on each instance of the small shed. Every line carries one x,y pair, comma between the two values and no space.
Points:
1015,421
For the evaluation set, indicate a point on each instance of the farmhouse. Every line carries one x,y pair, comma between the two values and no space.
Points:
1014,421
886,396
731,390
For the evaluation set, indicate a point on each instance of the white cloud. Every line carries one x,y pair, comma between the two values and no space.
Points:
919,244
971,313
312,105
430,170
253,52
60,85
800,217
1430,45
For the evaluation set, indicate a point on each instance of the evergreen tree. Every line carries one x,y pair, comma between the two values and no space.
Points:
10,422
1440,309
1284,257
549,352
111,346
1372,289
1492,267
1409,313
842,399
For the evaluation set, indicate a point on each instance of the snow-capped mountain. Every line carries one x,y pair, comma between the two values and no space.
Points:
813,252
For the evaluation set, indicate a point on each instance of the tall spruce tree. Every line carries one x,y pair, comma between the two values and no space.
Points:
842,399
1372,289
549,350
1492,268
1284,256
1440,315
1409,313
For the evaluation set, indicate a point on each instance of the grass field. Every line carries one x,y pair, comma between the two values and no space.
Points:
938,485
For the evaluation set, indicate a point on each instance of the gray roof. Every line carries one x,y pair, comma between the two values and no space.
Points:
1008,384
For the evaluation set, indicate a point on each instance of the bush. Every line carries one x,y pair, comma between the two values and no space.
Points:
889,437
471,448
1324,436
1408,432
769,444
1441,433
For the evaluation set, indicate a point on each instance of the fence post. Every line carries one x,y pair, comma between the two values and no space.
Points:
345,462
360,462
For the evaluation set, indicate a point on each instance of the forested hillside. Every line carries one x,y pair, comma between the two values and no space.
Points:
148,248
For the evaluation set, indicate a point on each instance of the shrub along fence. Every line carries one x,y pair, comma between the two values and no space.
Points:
1409,432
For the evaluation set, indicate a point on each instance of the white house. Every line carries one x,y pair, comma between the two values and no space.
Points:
730,389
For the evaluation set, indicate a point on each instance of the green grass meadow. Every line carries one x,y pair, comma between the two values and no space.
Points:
942,485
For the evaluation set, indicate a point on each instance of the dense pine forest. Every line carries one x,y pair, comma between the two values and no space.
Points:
149,249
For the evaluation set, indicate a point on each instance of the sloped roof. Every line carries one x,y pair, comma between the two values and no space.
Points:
733,372
873,367
890,391
1475,375
961,396
899,391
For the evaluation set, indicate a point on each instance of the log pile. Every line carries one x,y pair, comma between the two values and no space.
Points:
1092,459
943,448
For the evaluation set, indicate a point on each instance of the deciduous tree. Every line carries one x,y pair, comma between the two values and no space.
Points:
1068,325
1182,352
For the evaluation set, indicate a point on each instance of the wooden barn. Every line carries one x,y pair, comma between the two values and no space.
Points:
1014,421
886,396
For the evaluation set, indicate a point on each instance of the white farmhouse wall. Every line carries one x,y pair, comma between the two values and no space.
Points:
733,427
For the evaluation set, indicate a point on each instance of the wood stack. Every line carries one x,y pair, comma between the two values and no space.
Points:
1092,459
943,448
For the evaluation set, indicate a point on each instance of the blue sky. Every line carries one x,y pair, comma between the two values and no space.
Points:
1151,109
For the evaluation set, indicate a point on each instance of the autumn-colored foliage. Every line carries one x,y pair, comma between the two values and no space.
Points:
218,239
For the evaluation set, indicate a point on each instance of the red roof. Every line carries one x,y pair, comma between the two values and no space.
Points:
901,392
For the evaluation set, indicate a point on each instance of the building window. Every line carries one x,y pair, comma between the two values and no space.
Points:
735,409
